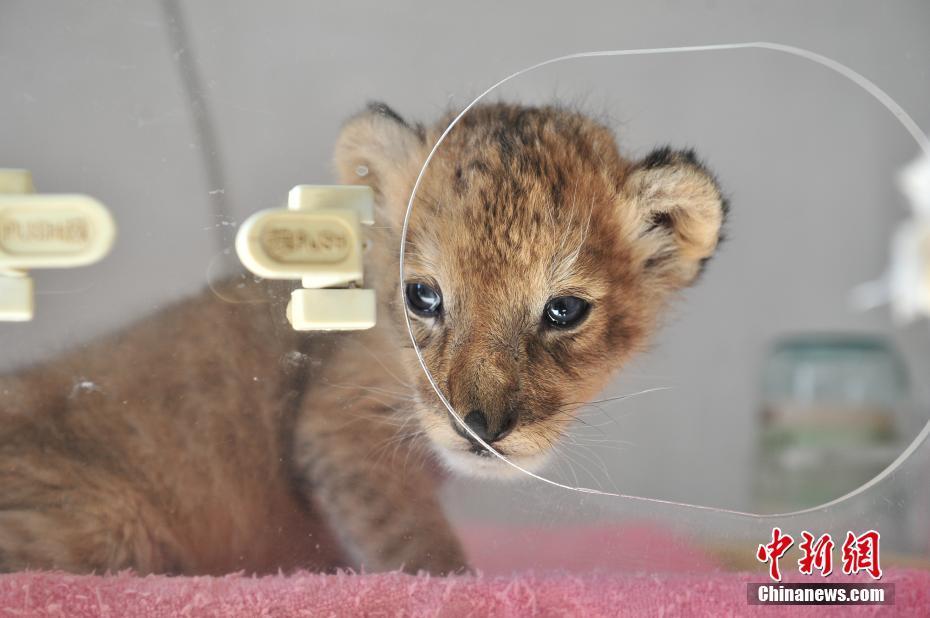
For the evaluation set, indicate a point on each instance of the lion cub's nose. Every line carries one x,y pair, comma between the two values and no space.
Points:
489,432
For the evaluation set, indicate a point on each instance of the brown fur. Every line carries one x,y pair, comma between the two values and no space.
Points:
211,437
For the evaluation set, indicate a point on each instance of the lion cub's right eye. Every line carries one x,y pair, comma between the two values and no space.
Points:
423,300
566,311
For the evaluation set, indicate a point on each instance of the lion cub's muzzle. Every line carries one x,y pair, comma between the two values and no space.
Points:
489,427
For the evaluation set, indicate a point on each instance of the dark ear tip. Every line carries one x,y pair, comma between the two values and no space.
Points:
665,156
382,109
689,156
660,157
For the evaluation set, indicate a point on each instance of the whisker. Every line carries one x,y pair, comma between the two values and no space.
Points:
568,457
380,362
632,395
619,445
562,414
373,389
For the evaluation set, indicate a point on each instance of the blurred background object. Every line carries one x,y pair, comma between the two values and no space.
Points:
830,410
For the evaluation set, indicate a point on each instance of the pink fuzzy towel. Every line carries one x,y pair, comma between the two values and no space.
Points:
395,594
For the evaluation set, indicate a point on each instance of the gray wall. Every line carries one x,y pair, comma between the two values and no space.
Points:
125,101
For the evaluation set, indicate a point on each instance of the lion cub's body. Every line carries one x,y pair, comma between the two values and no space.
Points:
170,447
212,438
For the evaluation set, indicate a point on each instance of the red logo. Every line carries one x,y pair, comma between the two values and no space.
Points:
817,555
773,551
860,553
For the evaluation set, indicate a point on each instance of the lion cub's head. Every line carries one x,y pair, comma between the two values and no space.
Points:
538,260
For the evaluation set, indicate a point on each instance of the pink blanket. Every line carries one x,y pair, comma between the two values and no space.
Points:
577,573
305,594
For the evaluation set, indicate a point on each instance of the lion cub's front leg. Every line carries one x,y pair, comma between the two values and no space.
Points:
368,477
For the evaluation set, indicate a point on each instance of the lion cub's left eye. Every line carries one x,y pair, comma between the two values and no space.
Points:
565,311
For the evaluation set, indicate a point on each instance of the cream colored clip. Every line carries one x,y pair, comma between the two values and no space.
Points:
317,239
44,231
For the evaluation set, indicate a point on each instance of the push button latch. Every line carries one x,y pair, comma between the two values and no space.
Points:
44,231
318,240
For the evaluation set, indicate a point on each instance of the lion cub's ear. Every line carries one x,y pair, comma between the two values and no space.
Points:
379,149
677,213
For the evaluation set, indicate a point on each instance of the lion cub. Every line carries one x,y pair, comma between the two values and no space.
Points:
211,437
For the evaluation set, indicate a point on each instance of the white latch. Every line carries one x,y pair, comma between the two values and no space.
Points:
44,231
316,239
